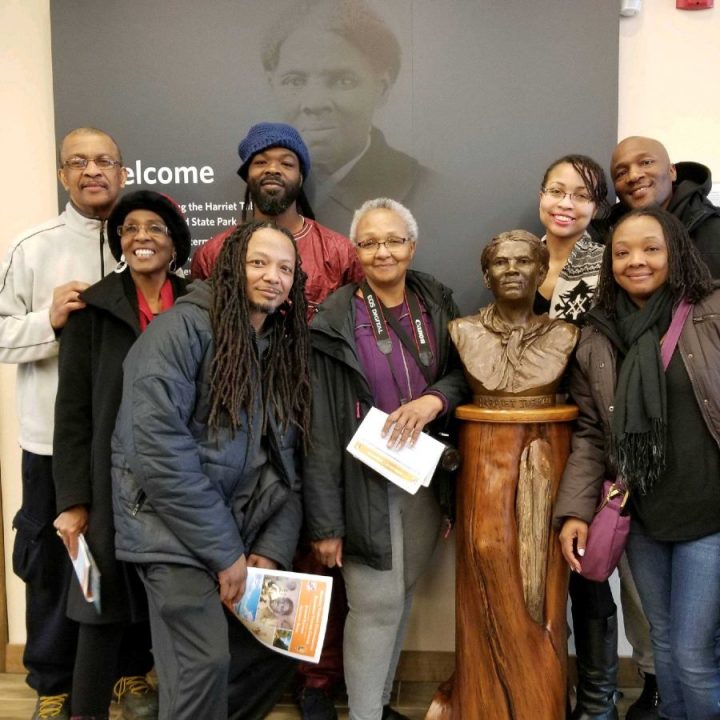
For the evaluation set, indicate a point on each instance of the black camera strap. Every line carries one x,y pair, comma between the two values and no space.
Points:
420,350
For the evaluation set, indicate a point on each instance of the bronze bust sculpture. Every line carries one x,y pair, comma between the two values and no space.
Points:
511,355
511,578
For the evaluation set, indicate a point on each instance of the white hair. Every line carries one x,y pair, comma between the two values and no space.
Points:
384,204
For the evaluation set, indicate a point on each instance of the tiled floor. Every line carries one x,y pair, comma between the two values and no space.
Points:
17,701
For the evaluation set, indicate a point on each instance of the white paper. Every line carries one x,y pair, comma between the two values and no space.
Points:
408,468
87,572
286,611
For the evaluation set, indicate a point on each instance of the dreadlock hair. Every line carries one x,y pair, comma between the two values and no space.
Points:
236,370
593,177
246,205
303,205
688,276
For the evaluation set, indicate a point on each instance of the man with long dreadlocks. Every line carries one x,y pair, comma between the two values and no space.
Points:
275,165
216,400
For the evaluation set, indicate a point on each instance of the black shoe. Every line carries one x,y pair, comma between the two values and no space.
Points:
316,704
138,700
597,661
646,706
52,707
390,714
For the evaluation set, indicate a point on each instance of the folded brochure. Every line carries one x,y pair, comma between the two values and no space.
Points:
409,468
286,611
87,573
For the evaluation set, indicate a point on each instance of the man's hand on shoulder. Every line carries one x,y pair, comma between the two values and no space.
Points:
232,581
66,299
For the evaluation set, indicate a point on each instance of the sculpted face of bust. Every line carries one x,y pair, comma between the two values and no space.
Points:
514,272
513,357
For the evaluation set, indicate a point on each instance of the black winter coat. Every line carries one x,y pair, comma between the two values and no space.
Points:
93,345
180,491
343,497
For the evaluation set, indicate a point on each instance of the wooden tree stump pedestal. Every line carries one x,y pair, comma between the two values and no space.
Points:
511,636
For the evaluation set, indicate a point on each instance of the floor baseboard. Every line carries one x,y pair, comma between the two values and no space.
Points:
414,666
13,658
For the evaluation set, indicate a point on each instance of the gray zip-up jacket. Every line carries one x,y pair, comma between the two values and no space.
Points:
68,247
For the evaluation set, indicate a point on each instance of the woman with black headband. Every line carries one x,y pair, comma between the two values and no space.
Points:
150,239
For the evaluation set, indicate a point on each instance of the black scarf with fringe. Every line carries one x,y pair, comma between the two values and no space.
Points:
637,443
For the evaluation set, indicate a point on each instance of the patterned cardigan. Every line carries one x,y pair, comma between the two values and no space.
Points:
575,287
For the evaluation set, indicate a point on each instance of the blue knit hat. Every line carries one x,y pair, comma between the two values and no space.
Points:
268,135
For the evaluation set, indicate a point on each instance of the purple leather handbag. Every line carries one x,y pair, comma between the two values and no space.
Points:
609,529
607,534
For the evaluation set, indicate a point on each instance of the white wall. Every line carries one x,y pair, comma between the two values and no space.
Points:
666,90
29,196
668,80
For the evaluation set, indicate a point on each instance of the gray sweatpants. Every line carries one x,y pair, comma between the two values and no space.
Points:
379,602
208,665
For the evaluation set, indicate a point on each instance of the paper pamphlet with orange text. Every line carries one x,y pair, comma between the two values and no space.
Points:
286,611
408,468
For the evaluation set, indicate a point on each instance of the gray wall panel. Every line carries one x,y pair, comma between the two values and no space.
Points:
488,94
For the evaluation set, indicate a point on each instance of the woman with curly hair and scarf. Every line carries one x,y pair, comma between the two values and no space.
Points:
660,431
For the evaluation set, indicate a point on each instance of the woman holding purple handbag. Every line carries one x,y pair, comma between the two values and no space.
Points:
660,430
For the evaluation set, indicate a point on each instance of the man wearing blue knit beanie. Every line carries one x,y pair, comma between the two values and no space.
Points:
275,165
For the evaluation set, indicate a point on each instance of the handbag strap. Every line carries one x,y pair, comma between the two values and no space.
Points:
673,334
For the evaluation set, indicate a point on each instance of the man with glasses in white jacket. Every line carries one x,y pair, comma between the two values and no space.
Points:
41,279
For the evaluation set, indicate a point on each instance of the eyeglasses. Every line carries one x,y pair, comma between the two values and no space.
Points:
558,194
391,243
80,163
154,230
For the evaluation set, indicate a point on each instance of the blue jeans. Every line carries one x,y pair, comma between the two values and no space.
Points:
679,585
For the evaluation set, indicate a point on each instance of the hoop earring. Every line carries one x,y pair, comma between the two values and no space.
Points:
122,264
172,267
